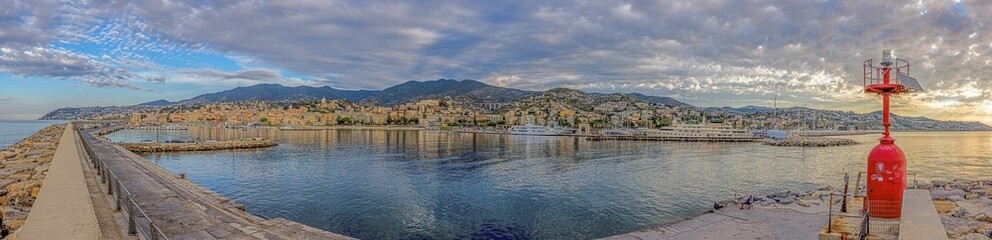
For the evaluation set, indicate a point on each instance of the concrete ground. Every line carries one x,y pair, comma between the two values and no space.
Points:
63,209
761,222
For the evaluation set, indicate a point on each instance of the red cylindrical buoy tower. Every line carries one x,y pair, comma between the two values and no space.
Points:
886,178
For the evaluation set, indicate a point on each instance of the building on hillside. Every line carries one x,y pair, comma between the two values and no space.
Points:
379,118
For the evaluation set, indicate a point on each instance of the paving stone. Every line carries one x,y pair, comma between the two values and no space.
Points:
218,232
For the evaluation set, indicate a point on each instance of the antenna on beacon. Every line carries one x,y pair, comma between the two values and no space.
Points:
886,162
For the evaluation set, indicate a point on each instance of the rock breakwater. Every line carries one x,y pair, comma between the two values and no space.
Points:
24,167
810,142
965,207
208,146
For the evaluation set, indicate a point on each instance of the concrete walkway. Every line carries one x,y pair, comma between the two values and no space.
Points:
919,217
787,222
63,209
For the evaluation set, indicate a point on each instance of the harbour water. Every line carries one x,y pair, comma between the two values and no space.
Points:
13,131
388,184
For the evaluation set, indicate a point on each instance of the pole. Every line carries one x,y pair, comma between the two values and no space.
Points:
830,213
843,206
885,108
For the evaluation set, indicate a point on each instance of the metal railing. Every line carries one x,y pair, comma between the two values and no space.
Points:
859,185
137,220
878,219
863,229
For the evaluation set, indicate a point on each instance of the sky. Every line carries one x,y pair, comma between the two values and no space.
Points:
703,52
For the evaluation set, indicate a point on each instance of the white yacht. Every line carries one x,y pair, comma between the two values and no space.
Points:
531,129
701,132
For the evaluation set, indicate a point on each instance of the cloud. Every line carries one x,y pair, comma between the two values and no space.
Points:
7,99
209,76
113,83
62,64
156,79
710,52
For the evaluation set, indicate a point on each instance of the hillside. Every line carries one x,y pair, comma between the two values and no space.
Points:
847,119
470,90
276,92
658,100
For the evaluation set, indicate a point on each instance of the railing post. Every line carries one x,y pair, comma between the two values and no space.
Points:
118,196
857,184
830,213
843,204
153,230
110,183
868,218
131,228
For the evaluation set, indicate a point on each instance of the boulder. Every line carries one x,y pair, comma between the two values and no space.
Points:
974,236
14,213
802,202
947,193
985,230
958,227
5,182
12,225
786,200
35,154
20,166
20,176
983,217
959,212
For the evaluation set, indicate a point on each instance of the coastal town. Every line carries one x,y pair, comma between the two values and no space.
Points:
560,107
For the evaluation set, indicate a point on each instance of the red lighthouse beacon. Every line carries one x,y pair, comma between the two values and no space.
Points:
886,162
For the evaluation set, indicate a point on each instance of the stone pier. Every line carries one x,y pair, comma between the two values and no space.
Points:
76,202
63,209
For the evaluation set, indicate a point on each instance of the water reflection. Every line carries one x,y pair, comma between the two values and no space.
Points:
376,184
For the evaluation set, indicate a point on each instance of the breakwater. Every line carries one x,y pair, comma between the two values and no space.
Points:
834,133
24,167
809,142
108,130
673,139
207,146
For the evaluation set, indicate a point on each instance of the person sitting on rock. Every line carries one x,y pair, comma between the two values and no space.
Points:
747,202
